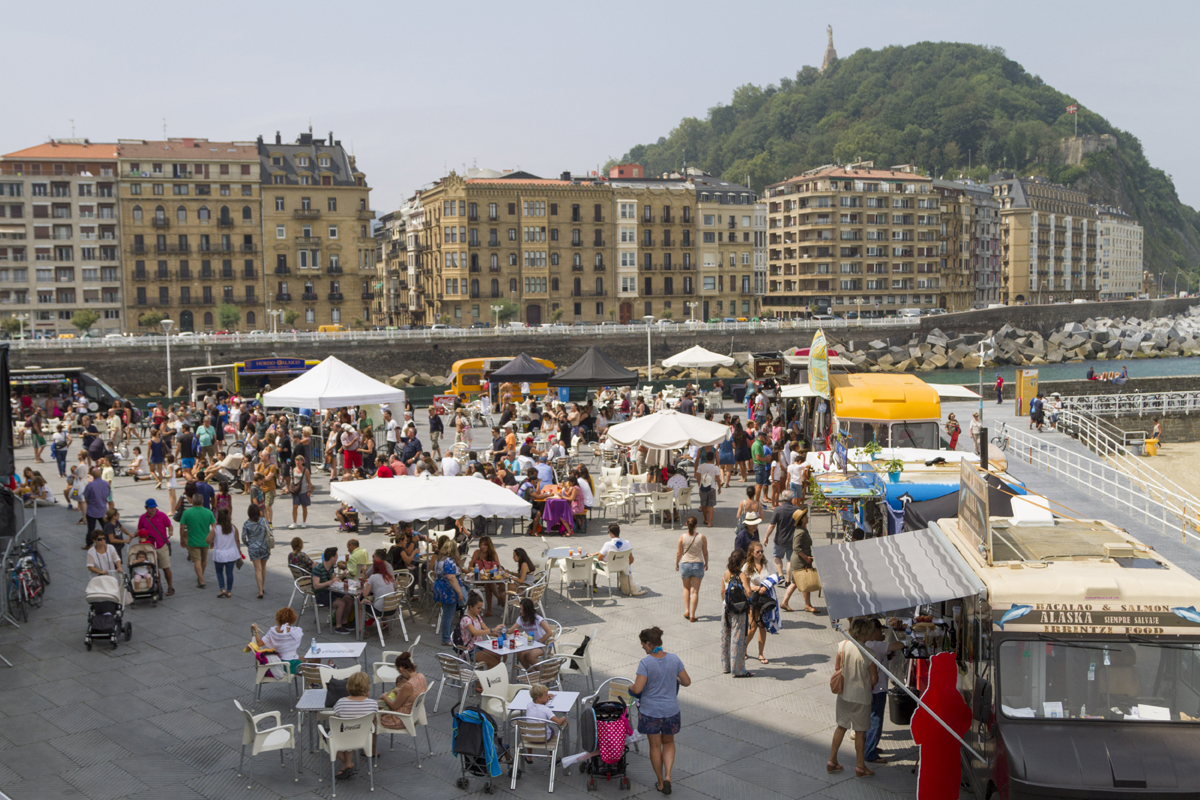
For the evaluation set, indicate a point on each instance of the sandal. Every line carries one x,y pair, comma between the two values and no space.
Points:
831,766
170,592
785,608
863,773
763,660
345,773
746,674
880,760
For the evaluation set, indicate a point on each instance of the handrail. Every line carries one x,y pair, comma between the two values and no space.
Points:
1123,478
1184,402
564,331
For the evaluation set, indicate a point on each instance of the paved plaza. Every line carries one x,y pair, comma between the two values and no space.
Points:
155,717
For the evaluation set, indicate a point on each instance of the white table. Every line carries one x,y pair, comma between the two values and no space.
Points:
311,701
560,703
353,650
556,554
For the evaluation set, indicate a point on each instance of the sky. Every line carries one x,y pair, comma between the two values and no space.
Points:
417,89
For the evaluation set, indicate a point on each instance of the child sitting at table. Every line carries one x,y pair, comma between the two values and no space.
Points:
539,708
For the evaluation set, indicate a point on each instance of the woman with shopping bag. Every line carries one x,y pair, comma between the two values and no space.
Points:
804,574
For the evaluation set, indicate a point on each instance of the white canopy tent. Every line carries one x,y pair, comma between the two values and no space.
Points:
332,384
698,357
954,391
668,430
797,390
404,499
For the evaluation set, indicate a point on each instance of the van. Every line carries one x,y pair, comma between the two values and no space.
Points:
910,312
332,329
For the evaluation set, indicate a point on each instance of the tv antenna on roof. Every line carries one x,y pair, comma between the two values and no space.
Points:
72,121
164,128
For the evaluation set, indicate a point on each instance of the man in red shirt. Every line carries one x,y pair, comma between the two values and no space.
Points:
154,526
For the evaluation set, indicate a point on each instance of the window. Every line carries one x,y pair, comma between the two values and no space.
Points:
649,284
247,214
492,211
512,234
280,231
324,162
512,283
137,213
710,283
331,203
181,214
310,315
333,231
276,161
627,210
279,204
203,214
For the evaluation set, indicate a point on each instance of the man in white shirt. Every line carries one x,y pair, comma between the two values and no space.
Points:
390,426
449,466
708,475
795,472
616,544
556,451
677,481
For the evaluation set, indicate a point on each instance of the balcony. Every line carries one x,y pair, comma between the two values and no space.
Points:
141,275
306,213
367,214
248,273
188,301
138,249
252,300
577,268
283,271
283,297
309,297
667,220
206,274
308,241
335,297
174,248
225,222
333,269
248,247
160,222
599,267
371,296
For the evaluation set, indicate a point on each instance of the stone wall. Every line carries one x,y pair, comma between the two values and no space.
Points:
1176,427
1047,319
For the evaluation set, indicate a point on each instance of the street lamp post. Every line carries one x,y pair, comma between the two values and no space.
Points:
166,326
496,315
649,320
692,307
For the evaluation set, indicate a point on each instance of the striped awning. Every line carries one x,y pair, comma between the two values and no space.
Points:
891,573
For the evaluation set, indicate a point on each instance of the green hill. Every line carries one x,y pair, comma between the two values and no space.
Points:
953,110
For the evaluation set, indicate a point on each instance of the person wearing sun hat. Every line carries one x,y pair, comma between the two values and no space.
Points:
748,532
154,526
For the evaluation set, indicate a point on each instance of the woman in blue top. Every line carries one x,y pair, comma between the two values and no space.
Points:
659,676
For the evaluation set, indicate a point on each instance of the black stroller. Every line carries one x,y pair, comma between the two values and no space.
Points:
105,596
604,732
476,742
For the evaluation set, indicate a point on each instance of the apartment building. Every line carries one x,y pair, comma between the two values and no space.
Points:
1047,241
732,230
543,244
391,267
853,239
970,245
191,232
317,232
656,252
1119,254
60,236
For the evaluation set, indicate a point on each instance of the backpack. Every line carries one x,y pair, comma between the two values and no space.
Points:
456,635
735,597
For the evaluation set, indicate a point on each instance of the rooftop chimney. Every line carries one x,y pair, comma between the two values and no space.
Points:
331,138
278,138
566,176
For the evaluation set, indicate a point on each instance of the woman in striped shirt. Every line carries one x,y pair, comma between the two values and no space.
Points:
356,704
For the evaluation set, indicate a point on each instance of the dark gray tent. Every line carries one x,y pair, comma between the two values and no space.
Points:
595,369
521,369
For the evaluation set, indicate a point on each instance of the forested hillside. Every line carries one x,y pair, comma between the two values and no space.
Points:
951,109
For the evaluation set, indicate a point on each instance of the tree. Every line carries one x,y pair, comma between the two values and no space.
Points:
150,319
508,310
358,323
290,316
84,318
612,313
556,315
228,316
11,325
667,313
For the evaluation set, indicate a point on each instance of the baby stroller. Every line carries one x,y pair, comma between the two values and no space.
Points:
606,729
230,470
105,607
478,745
144,583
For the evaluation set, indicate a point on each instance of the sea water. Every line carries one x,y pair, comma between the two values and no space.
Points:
1138,368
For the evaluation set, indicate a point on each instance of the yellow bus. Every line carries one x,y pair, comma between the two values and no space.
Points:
467,375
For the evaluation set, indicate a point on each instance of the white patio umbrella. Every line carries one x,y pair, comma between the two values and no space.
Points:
426,496
668,430
697,357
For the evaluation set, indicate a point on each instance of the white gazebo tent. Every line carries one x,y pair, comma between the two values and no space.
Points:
404,499
332,384
697,357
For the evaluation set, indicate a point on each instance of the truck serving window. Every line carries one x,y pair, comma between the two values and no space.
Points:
1102,680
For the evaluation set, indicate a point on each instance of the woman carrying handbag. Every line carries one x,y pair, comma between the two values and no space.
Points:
804,574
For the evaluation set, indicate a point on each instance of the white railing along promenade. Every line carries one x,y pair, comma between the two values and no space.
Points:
1122,477
1139,403
537,333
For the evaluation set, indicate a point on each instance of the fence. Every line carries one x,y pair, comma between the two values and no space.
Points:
563,331
1122,479
1112,405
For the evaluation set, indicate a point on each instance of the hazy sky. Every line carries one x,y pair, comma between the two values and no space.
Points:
417,88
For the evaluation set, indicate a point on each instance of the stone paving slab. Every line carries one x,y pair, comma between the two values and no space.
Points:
155,718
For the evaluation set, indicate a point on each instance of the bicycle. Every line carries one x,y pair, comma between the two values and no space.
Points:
1001,438
25,589
30,549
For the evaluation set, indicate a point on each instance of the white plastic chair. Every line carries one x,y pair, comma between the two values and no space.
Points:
496,690
684,500
353,733
546,672
412,720
384,671
536,738
297,572
614,564
304,587
662,503
579,657
392,611
456,673
575,570
279,737
272,672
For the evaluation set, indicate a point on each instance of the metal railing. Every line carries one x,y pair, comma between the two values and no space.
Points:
1122,479
28,532
561,331
1111,405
